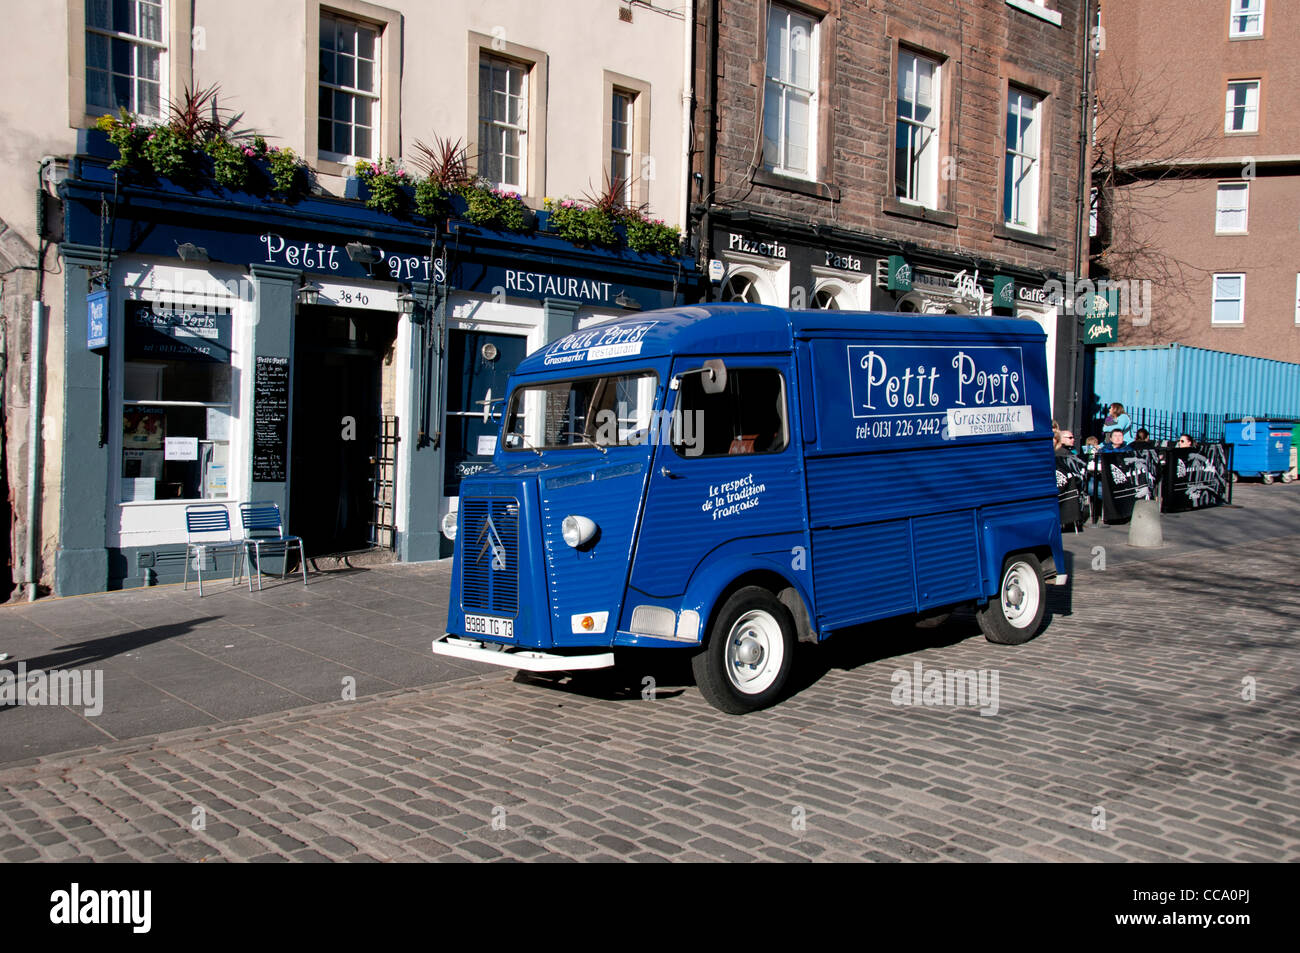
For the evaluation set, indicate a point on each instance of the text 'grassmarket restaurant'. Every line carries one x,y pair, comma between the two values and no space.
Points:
350,367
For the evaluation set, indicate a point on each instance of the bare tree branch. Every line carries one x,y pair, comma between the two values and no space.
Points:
1143,139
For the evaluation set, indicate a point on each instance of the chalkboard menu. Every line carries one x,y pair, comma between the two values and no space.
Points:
270,419
1195,478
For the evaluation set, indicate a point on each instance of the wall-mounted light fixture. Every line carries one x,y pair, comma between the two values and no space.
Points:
623,300
308,291
192,252
409,305
363,254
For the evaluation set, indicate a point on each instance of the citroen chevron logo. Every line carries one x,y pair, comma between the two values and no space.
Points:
489,540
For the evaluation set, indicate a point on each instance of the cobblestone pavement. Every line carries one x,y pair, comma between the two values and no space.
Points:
1156,718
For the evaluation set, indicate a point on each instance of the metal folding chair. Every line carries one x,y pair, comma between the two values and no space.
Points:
205,526
264,529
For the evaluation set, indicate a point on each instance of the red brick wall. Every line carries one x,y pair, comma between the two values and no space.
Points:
986,42
1184,72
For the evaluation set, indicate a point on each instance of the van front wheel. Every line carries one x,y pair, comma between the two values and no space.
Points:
1014,615
750,651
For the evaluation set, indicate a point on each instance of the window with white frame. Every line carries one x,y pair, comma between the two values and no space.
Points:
1231,205
1023,166
176,401
1229,305
790,97
621,128
503,123
916,140
742,287
126,56
1038,8
1242,114
1246,18
349,89
827,298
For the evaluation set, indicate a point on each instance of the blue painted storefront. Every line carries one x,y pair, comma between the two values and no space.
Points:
274,247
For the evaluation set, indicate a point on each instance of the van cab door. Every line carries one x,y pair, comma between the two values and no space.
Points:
729,480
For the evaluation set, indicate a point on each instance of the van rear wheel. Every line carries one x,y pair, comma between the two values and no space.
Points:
1015,614
747,661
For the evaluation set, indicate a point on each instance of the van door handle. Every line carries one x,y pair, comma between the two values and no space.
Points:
668,474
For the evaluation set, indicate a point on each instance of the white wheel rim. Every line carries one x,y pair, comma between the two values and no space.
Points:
754,653
1021,592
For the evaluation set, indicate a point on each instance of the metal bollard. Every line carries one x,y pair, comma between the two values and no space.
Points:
1144,528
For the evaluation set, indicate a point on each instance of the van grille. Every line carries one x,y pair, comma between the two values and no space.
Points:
490,556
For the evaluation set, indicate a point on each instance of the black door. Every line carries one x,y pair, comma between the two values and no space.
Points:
339,357
478,365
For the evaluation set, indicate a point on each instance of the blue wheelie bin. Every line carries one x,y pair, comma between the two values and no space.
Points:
1261,448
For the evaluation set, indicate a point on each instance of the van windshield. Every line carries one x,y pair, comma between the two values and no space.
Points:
606,411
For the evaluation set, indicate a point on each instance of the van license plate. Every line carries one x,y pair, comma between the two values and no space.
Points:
488,625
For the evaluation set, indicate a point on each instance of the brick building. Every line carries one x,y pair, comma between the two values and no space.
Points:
856,155
1202,198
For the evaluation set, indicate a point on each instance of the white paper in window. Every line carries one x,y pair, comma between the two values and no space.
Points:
181,448
218,424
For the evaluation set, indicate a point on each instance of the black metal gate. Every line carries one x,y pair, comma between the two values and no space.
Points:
383,484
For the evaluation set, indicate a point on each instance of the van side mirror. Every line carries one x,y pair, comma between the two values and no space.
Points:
715,376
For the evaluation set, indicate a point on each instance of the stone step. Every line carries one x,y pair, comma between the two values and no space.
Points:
356,559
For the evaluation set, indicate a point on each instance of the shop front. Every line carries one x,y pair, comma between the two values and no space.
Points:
507,299
346,366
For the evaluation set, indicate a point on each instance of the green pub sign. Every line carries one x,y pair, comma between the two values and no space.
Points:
1004,292
900,274
1101,319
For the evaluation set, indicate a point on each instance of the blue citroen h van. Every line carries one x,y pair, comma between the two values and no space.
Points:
728,479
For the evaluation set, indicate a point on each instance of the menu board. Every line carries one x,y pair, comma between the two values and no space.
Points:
270,419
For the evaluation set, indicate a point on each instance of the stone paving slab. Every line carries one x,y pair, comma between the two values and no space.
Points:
170,659
1156,718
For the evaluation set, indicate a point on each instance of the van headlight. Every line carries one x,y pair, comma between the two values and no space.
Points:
577,530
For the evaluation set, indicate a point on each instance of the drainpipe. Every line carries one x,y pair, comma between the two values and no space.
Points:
688,96
710,138
34,444
1078,352
36,367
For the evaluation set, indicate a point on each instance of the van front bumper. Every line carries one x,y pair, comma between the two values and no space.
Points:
513,656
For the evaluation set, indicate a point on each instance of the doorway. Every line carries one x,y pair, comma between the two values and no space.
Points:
478,365
343,375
